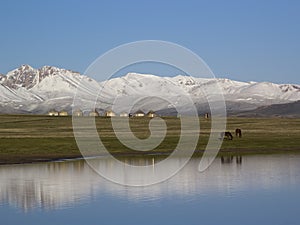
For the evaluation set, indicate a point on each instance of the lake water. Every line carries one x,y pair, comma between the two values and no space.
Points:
263,189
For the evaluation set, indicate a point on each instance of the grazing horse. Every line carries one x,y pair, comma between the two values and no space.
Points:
238,132
227,134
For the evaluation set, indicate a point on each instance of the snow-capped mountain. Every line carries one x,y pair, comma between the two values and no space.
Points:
29,90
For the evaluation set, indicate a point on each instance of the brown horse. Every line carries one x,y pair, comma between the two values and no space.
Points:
238,132
226,134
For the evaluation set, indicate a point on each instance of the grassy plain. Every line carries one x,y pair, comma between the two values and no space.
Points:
28,138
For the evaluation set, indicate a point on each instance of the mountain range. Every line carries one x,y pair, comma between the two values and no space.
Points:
27,90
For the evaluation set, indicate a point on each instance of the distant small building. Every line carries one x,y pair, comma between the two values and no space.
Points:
77,113
53,113
139,113
110,113
63,113
151,114
124,114
93,113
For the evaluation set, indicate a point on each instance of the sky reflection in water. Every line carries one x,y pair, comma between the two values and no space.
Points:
247,190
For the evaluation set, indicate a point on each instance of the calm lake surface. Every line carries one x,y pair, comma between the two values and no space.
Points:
262,189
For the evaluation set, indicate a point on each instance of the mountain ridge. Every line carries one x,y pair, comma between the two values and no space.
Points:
276,110
29,90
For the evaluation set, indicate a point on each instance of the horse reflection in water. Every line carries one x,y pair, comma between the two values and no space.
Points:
230,159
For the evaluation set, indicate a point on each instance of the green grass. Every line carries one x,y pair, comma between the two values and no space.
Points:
27,138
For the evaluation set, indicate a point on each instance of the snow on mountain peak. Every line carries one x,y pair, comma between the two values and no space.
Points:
23,76
289,87
51,87
27,77
133,75
184,80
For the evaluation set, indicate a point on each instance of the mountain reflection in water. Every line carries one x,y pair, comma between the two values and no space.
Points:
57,185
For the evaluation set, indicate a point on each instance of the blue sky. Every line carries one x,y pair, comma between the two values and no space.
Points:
241,40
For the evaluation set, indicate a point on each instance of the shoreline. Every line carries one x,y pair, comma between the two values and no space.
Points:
197,153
